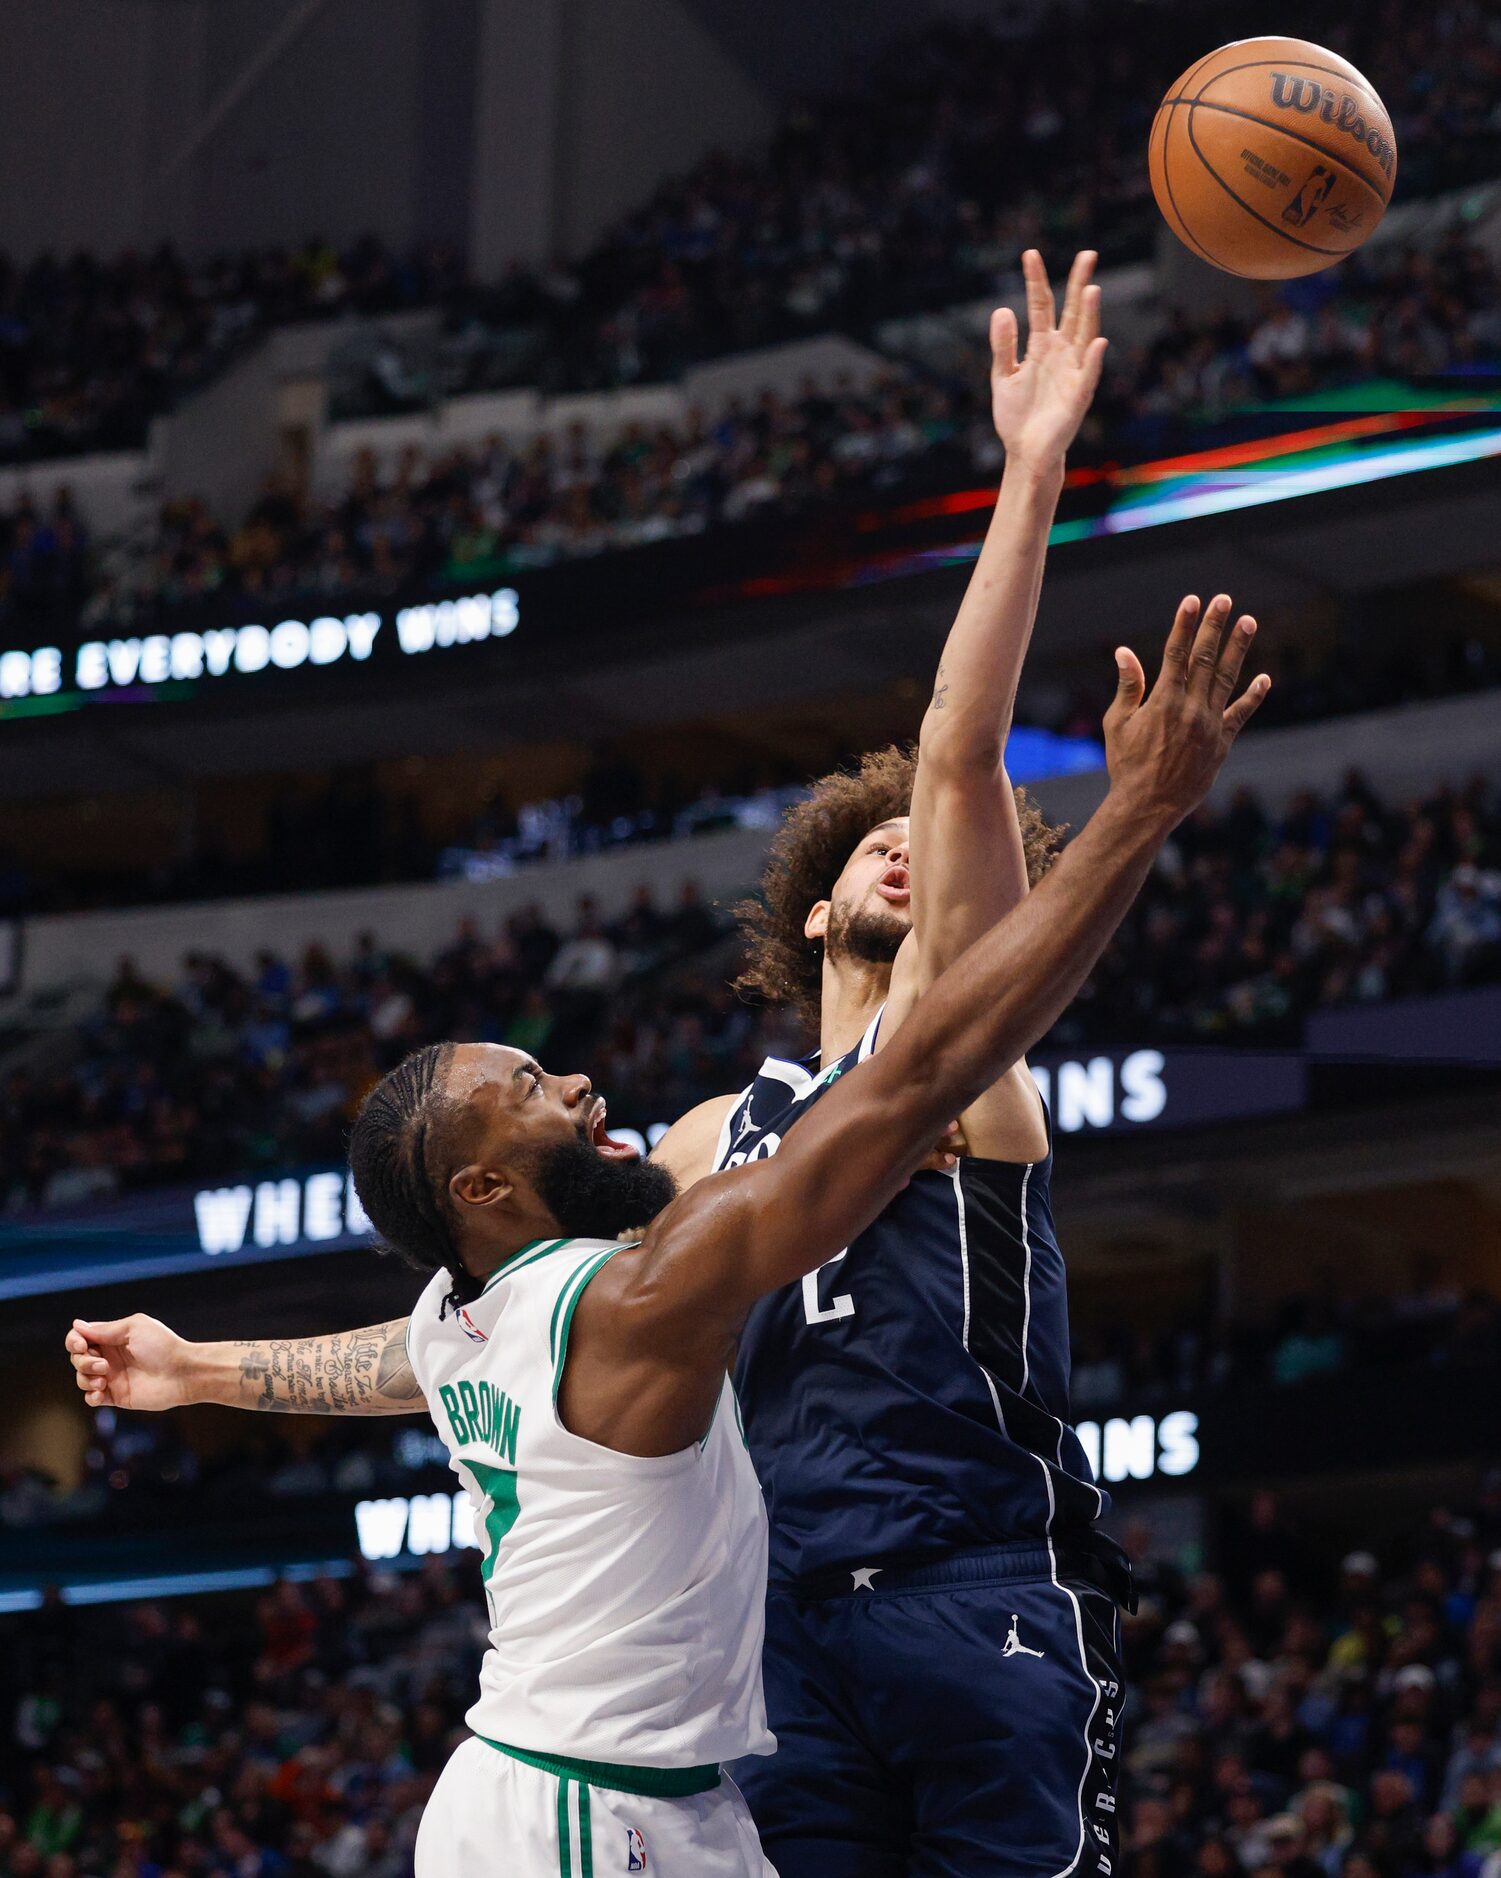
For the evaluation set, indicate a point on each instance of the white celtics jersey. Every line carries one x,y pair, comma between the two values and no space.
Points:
626,1593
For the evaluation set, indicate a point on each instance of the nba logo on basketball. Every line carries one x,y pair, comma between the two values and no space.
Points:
470,1329
635,1847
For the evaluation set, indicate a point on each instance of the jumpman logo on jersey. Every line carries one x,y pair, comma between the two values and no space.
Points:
1014,1646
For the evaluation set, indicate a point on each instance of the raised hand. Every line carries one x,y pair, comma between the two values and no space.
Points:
1170,746
1039,400
130,1363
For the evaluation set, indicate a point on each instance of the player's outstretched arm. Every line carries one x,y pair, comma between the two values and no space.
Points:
968,860
656,1326
138,1363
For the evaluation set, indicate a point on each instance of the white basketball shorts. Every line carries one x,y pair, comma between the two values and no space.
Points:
492,1814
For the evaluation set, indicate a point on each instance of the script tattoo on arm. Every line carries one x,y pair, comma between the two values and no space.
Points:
940,685
356,1372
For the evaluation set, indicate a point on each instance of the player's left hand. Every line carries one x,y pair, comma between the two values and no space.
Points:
946,1155
1039,400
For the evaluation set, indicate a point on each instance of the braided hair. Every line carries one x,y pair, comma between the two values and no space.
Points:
399,1139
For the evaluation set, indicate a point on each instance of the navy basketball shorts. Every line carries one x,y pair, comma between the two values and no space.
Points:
951,1721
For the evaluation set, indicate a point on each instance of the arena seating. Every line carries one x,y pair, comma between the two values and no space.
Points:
497,507
92,349
1289,1715
912,190
1250,922
140,1473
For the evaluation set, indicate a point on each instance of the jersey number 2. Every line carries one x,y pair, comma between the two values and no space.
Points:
841,1305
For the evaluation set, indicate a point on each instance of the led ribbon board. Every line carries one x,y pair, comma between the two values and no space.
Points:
155,665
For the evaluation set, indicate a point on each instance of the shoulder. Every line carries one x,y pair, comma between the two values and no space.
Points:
425,1324
689,1149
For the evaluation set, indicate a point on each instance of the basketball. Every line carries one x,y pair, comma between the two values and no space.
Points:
1271,158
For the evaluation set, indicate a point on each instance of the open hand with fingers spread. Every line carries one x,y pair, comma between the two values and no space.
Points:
1167,748
1039,399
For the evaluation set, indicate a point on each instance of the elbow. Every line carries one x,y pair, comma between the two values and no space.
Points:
962,755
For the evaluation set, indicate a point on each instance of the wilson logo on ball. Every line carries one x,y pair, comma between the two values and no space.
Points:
1290,92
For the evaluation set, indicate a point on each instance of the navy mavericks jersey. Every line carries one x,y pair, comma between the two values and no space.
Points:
910,1398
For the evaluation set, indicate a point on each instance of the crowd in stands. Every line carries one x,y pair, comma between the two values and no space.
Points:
90,350
917,187
1433,1325
1287,1716
913,188
143,1469
227,1070
506,505
1250,920
48,568
1415,314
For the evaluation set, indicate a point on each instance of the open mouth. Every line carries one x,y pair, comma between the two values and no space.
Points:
601,1141
895,885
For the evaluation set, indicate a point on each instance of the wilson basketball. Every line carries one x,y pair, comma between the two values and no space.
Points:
1272,158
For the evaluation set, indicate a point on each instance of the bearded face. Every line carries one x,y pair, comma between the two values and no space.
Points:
592,1197
870,909
868,935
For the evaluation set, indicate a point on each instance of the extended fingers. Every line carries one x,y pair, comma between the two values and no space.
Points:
1040,309
1247,704
1232,657
1204,659
1073,296
1003,342
1094,363
1089,320
1175,652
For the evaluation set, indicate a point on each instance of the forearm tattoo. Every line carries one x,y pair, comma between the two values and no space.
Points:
939,687
358,1372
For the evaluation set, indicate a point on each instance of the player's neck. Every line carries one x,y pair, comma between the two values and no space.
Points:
853,991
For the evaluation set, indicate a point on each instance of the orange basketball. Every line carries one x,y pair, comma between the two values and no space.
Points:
1271,158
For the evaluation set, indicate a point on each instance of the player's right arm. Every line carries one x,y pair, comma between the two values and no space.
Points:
138,1363
657,1325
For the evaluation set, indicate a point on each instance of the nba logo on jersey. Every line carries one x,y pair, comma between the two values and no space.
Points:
470,1329
635,1847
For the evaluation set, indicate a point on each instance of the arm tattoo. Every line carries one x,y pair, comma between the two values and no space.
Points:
939,702
358,1372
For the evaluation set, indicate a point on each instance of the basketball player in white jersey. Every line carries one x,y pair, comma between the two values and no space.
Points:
579,1383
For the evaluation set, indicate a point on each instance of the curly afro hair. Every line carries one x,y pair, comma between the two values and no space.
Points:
808,855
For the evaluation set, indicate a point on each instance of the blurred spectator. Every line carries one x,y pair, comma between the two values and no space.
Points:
1248,923
505,505
90,350
299,1732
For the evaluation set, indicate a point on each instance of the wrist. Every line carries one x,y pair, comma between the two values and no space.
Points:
1040,478
201,1373
1138,813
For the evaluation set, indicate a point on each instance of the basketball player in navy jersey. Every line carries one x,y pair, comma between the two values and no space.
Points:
942,1662
942,1648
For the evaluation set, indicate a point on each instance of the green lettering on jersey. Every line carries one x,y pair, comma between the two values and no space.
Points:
455,1414
498,1485
510,1424
483,1413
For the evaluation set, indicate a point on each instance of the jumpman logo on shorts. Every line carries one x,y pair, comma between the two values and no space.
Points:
1014,1646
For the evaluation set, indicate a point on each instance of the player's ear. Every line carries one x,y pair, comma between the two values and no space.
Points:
816,926
480,1186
